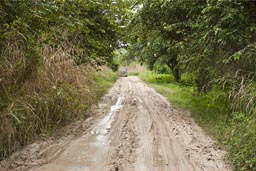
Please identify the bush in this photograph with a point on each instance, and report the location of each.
(103, 81)
(187, 79)
(47, 57)
(134, 73)
(152, 77)
(60, 93)
(241, 141)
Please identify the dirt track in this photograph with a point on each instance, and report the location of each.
(136, 130)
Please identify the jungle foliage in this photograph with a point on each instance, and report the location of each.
(212, 44)
(49, 53)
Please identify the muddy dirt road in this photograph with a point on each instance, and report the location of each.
(137, 130)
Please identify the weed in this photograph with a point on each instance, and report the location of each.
(152, 77)
(61, 92)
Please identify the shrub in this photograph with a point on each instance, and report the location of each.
(60, 93)
(152, 77)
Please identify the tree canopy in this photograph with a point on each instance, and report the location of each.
(211, 39)
(210, 43)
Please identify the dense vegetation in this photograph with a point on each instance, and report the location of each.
(49, 54)
(209, 45)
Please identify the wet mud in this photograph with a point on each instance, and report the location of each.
(133, 129)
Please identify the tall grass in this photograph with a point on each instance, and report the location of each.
(35, 100)
(135, 69)
(152, 77)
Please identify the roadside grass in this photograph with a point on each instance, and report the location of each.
(152, 77)
(206, 109)
(236, 131)
(59, 94)
(104, 80)
(133, 73)
(135, 69)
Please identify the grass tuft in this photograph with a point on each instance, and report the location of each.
(58, 93)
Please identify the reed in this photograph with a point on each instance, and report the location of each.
(54, 93)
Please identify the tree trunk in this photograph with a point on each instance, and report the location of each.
(176, 75)
(172, 64)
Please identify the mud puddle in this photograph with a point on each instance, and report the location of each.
(103, 127)
(83, 154)
(137, 130)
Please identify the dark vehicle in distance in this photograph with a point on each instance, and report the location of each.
(123, 72)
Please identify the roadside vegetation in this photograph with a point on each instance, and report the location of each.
(53, 58)
(235, 131)
(204, 55)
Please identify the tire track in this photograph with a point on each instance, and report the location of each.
(138, 130)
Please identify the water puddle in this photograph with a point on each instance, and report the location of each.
(104, 126)
(88, 151)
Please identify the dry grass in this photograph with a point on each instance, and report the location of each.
(55, 93)
(135, 69)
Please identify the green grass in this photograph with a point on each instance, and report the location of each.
(104, 80)
(152, 77)
(236, 131)
(180, 96)
(134, 73)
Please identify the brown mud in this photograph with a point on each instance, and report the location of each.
(133, 129)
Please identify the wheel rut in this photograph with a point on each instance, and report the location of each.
(136, 129)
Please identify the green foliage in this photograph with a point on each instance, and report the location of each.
(120, 57)
(90, 27)
(47, 49)
(187, 79)
(134, 73)
(152, 77)
(241, 141)
(209, 45)
(205, 38)
(104, 80)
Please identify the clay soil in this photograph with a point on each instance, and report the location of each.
(133, 128)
